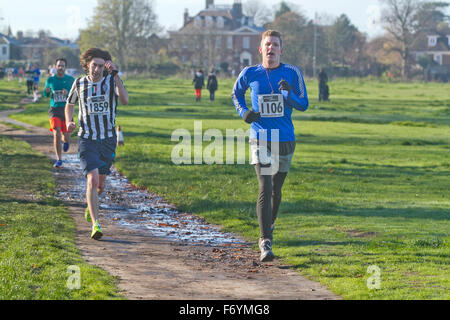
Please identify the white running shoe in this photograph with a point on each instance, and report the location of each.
(265, 246)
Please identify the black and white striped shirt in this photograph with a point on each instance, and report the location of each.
(97, 107)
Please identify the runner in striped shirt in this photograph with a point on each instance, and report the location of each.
(97, 95)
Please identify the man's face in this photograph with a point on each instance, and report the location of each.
(96, 68)
(271, 50)
(60, 68)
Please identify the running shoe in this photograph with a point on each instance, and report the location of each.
(58, 164)
(87, 215)
(97, 232)
(66, 146)
(265, 246)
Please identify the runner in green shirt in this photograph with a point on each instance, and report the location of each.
(57, 87)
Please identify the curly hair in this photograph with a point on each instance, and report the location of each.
(91, 53)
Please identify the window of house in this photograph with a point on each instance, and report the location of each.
(4, 51)
(432, 41)
(230, 42)
(246, 42)
(220, 22)
(209, 21)
(219, 42)
(438, 59)
(198, 21)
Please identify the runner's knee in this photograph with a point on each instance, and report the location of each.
(92, 181)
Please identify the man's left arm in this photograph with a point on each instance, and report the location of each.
(120, 89)
(295, 93)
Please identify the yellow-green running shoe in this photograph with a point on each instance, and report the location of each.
(87, 215)
(97, 232)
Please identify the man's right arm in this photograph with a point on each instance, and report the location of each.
(68, 110)
(238, 96)
(69, 115)
(47, 89)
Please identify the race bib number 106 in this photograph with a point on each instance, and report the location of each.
(98, 105)
(271, 105)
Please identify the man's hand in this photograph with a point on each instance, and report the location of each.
(284, 85)
(71, 126)
(48, 90)
(111, 67)
(251, 116)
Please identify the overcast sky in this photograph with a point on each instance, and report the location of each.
(64, 18)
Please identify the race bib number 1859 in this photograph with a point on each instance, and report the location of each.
(98, 105)
(271, 105)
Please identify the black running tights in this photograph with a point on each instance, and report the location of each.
(269, 199)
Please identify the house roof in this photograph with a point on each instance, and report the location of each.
(216, 13)
(230, 23)
(421, 44)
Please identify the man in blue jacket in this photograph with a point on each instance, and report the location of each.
(276, 89)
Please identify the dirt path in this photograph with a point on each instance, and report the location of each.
(150, 267)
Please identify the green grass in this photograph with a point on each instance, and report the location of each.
(37, 235)
(11, 93)
(368, 184)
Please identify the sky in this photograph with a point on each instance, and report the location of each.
(65, 18)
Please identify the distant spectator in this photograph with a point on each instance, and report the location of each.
(199, 83)
(30, 74)
(36, 78)
(212, 85)
(20, 74)
(324, 90)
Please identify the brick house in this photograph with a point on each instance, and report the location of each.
(219, 36)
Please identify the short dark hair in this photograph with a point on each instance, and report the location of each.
(272, 33)
(61, 59)
(91, 53)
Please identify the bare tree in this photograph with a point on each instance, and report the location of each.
(258, 11)
(400, 21)
(119, 26)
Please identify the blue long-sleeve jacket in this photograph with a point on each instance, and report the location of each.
(265, 81)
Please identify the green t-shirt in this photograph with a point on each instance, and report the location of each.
(56, 84)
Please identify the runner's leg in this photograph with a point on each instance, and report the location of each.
(264, 206)
(92, 182)
(66, 137)
(101, 183)
(57, 142)
(277, 184)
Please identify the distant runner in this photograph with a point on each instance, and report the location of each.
(36, 77)
(199, 83)
(96, 94)
(57, 87)
(276, 89)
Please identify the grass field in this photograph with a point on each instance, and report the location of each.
(11, 93)
(37, 236)
(368, 185)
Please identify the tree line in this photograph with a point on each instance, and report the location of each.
(125, 28)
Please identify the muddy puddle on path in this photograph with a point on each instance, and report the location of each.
(134, 208)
